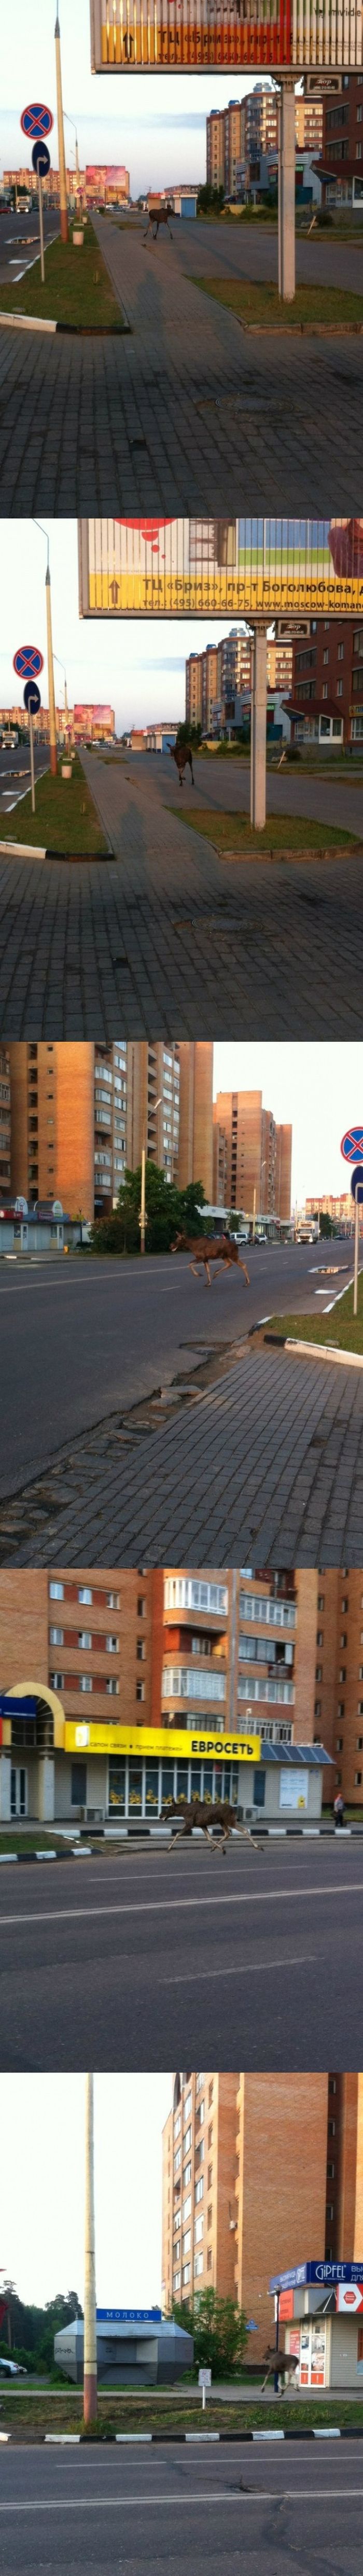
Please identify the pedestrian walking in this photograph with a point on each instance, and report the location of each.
(339, 1808)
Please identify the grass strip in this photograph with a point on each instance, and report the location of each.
(341, 1329)
(12, 1843)
(234, 832)
(313, 307)
(30, 2418)
(64, 819)
(76, 289)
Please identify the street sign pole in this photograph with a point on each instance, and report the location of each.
(356, 1249)
(41, 228)
(31, 740)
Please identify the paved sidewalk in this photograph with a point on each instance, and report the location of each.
(184, 412)
(170, 940)
(266, 1467)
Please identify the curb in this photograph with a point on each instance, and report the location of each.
(302, 330)
(305, 2433)
(74, 858)
(316, 1350)
(68, 330)
(266, 1833)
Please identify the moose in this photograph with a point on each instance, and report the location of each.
(183, 760)
(285, 2363)
(202, 1813)
(158, 215)
(206, 1248)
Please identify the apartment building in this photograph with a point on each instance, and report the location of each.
(80, 1115)
(216, 677)
(327, 672)
(338, 1705)
(253, 1153)
(340, 1209)
(341, 146)
(258, 2172)
(240, 1644)
(90, 1638)
(248, 128)
(5, 1124)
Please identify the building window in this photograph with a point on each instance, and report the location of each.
(199, 2189)
(84, 1638)
(140, 1651)
(357, 1779)
(112, 1690)
(187, 2174)
(56, 1591)
(321, 1600)
(209, 2258)
(112, 1644)
(317, 1708)
(85, 1682)
(78, 1784)
(187, 2141)
(56, 1636)
(140, 1690)
(186, 2274)
(199, 2227)
(186, 2208)
(177, 2160)
(198, 2262)
(141, 1606)
(187, 2242)
(57, 1681)
(320, 1637)
(318, 1672)
(112, 1600)
(84, 1592)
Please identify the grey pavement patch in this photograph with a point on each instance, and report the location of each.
(270, 1459)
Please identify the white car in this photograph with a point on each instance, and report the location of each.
(13, 2369)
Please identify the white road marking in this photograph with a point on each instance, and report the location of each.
(184, 1904)
(119, 2503)
(253, 1968)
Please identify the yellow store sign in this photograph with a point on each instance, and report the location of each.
(161, 1742)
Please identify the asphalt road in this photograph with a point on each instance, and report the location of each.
(15, 776)
(19, 242)
(299, 2510)
(223, 786)
(81, 1338)
(133, 1959)
(250, 251)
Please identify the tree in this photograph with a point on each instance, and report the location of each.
(32, 2329)
(326, 1228)
(169, 1211)
(210, 200)
(219, 2331)
(189, 733)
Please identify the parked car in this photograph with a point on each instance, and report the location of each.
(12, 2369)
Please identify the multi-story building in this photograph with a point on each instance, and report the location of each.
(91, 1637)
(241, 135)
(259, 2171)
(80, 723)
(254, 1153)
(5, 1124)
(341, 149)
(338, 1705)
(81, 1114)
(224, 145)
(340, 1209)
(327, 669)
(97, 184)
(217, 676)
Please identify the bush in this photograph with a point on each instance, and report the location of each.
(293, 752)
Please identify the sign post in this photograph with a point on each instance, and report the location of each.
(351, 1146)
(41, 163)
(36, 122)
(28, 662)
(204, 2382)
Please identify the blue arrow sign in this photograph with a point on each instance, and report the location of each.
(352, 1144)
(28, 662)
(41, 158)
(356, 1183)
(31, 696)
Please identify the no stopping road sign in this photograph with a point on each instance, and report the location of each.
(36, 120)
(28, 662)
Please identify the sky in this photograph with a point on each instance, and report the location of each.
(136, 665)
(319, 1088)
(155, 123)
(42, 2174)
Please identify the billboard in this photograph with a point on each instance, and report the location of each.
(158, 1740)
(111, 176)
(160, 567)
(88, 720)
(195, 35)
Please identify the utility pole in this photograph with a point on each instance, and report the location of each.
(51, 697)
(286, 190)
(258, 726)
(90, 2324)
(61, 149)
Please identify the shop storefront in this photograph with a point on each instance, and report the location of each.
(319, 2315)
(70, 1771)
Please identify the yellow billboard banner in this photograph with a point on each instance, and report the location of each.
(151, 567)
(161, 1742)
(199, 35)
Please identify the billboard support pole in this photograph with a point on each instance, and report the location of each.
(51, 697)
(90, 2322)
(286, 191)
(63, 205)
(258, 726)
(356, 1250)
(31, 741)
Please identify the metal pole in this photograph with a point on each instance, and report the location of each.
(31, 740)
(287, 193)
(276, 2375)
(356, 1249)
(258, 729)
(51, 696)
(61, 150)
(203, 2398)
(254, 1216)
(90, 2324)
(142, 1210)
(41, 227)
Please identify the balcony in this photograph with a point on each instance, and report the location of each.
(193, 1682)
(190, 1593)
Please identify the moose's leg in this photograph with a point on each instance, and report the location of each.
(207, 1273)
(196, 1273)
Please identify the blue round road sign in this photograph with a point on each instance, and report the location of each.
(41, 158)
(36, 120)
(356, 1182)
(28, 662)
(352, 1144)
(31, 697)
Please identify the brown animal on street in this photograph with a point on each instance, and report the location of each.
(183, 759)
(204, 1812)
(284, 2362)
(206, 1248)
(158, 215)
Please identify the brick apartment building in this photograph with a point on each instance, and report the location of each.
(248, 128)
(251, 1155)
(215, 677)
(258, 2172)
(327, 672)
(80, 1114)
(341, 151)
(177, 1649)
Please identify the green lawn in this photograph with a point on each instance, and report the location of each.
(13, 1842)
(31, 2416)
(312, 305)
(341, 1328)
(64, 819)
(232, 834)
(76, 290)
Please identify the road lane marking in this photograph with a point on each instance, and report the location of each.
(183, 1904)
(120, 2503)
(206, 1976)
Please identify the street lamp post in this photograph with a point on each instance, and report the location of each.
(157, 1105)
(69, 120)
(61, 149)
(258, 725)
(286, 190)
(90, 2322)
(57, 658)
(51, 696)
